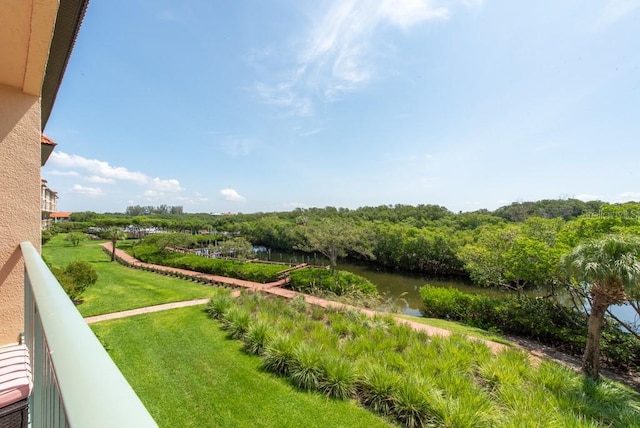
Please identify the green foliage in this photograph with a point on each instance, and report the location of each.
(610, 268)
(257, 272)
(279, 354)
(537, 318)
(120, 288)
(188, 375)
(257, 336)
(306, 368)
(312, 280)
(236, 321)
(235, 247)
(339, 378)
(334, 238)
(47, 235)
(74, 238)
(218, 305)
(76, 277)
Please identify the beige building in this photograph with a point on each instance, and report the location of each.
(36, 39)
(49, 199)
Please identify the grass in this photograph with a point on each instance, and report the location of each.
(120, 288)
(459, 328)
(421, 381)
(189, 375)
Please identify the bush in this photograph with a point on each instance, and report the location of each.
(306, 369)
(339, 378)
(76, 277)
(218, 305)
(339, 282)
(536, 318)
(256, 272)
(46, 236)
(257, 336)
(236, 321)
(278, 354)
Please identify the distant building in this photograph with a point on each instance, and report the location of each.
(49, 200)
(60, 216)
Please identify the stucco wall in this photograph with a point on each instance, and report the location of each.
(19, 201)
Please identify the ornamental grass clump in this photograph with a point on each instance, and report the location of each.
(413, 379)
(377, 388)
(411, 404)
(306, 370)
(278, 355)
(339, 380)
(236, 321)
(218, 305)
(257, 336)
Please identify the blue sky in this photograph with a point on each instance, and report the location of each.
(248, 106)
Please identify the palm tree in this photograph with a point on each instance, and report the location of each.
(610, 269)
(114, 234)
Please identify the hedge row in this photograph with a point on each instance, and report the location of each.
(536, 318)
(312, 280)
(175, 274)
(256, 272)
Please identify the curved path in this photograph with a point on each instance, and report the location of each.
(270, 288)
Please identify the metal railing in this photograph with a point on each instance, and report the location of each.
(76, 384)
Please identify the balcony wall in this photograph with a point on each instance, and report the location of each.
(19, 201)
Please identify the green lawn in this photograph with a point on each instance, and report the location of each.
(189, 375)
(120, 288)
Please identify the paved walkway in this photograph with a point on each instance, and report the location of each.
(270, 288)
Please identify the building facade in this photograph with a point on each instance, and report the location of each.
(36, 39)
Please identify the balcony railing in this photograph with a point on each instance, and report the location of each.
(76, 384)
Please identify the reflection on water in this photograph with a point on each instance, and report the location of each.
(403, 286)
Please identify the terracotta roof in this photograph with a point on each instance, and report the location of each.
(60, 215)
(46, 140)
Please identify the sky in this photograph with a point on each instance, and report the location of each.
(272, 105)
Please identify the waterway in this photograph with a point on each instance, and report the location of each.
(402, 288)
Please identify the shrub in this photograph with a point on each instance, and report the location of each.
(257, 336)
(306, 369)
(339, 282)
(278, 354)
(76, 277)
(377, 389)
(236, 321)
(46, 236)
(339, 378)
(74, 238)
(540, 319)
(218, 304)
(257, 272)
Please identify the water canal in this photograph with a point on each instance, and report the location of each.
(402, 288)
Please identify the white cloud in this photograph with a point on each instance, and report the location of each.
(96, 167)
(165, 185)
(91, 192)
(231, 195)
(406, 13)
(628, 196)
(615, 10)
(102, 172)
(98, 179)
(585, 197)
(338, 55)
(294, 205)
(64, 173)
